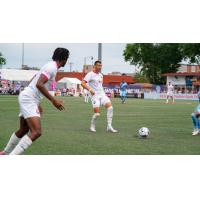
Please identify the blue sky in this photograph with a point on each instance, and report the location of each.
(37, 54)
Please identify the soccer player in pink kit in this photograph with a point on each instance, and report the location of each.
(93, 83)
(29, 102)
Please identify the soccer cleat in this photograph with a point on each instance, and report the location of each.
(2, 153)
(92, 129)
(195, 132)
(111, 129)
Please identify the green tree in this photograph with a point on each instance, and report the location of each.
(191, 52)
(2, 60)
(154, 59)
(140, 78)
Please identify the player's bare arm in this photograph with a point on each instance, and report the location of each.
(41, 87)
(85, 86)
(40, 109)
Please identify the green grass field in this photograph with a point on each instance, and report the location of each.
(68, 132)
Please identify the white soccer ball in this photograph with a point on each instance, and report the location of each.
(143, 132)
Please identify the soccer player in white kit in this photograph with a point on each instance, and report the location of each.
(170, 92)
(29, 102)
(93, 83)
(86, 95)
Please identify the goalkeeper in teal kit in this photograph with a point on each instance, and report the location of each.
(123, 87)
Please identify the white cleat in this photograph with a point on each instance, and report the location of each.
(195, 132)
(92, 129)
(111, 129)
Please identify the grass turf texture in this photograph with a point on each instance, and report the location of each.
(68, 132)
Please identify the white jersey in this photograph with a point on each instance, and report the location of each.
(170, 89)
(49, 71)
(95, 81)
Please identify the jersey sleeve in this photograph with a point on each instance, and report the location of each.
(198, 109)
(49, 72)
(87, 78)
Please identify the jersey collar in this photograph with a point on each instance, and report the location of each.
(95, 72)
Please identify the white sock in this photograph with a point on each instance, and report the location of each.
(22, 145)
(109, 116)
(14, 140)
(94, 118)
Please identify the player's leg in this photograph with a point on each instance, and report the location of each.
(16, 137)
(94, 119)
(109, 107)
(96, 107)
(34, 125)
(196, 124)
(172, 98)
(167, 100)
(124, 97)
(121, 96)
(87, 98)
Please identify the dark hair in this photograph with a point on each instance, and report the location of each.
(60, 54)
(97, 62)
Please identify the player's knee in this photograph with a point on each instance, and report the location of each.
(39, 132)
(36, 133)
(110, 108)
(22, 131)
(96, 115)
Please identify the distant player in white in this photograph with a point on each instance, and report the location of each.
(86, 95)
(170, 92)
(29, 102)
(93, 83)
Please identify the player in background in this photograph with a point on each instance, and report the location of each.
(93, 82)
(29, 102)
(196, 121)
(198, 94)
(170, 92)
(86, 95)
(123, 87)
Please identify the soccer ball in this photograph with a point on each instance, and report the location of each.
(143, 132)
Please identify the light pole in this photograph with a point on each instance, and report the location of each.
(22, 55)
(100, 51)
(70, 66)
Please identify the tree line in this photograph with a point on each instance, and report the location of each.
(155, 59)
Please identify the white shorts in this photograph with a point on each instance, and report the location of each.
(28, 106)
(171, 94)
(98, 100)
